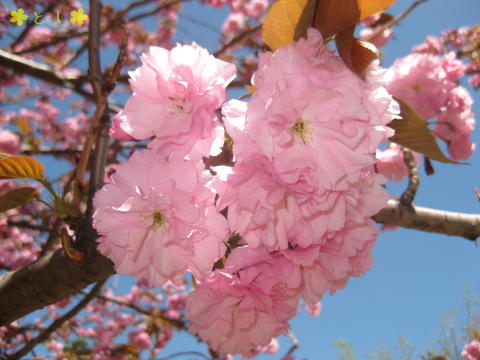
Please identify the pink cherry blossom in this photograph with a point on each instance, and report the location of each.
(472, 351)
(421, 81)
(431, 45)
(391, 164)
(233, 316)
(161, 222)
(233, 24)
(139, 339)
(256, 8)
(9, 142)
(175, 96)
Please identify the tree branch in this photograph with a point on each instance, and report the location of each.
(47, 74)
(54, 276)
(236, 40)
(47, 280)
(430, 220)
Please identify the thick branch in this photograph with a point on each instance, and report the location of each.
(430, 220)
(49, 279)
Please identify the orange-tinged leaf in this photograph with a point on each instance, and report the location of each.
(23, 125)
(371, 7)
(16, 197)
(412, 132)
(16, 167)
(284, 17)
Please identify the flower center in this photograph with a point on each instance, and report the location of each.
(302, 131)
(176, 108)
(159, 220)
(416, 88)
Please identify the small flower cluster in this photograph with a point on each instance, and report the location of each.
(162, 221)
(427, 80)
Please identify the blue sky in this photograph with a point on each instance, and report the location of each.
(416, 277)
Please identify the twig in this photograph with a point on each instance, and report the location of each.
(101, 123)
(94, 67)
(45, 73)
(413, 179)
(68, 35)
(236, 40)
(95, 75)
(45, 150)
(294, 344)
(177, 323)
(45, 334)
(395, 20)
(26, 225)
(155, 10)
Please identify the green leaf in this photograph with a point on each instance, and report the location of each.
(412, 132)
(16, 197)
(20, 167)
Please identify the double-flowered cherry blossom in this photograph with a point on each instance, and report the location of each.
(235, 316)
(307, 136)
(157, 219)
(175, 96)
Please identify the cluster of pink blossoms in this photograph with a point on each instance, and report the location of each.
(162, 221)
(428, 83)
(300, 196)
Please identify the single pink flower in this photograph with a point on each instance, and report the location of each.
(139, 339)
(175, 96)
(161, 222)
(235, 317)
(472, 351)
(422, 82)
(10, 142)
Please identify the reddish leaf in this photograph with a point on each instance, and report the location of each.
(16, 197)
(334, 16)
(363, 53)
